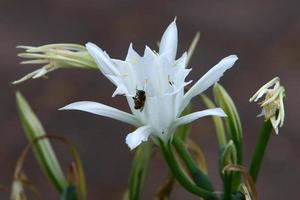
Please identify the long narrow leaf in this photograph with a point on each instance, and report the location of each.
(233, 120)
(221, 135)
(233, 125)
(69, 193)
(42, 149)
(247, 178)
(139, 170)
(227, 156)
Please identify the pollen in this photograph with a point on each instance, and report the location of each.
(133, 61)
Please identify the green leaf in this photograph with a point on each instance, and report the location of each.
(233, 127)
(227, 156)
(76, 175)
(69, 193)
(221, 135)
(232, 120)
(42, 149)
(248, 187)
(18, 190)
(139, 170)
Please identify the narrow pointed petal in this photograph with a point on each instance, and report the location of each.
(102, 110)
(40, 73)
(120, 91)
(196, 115)
(121, 88)
(275, 127)
(138, 136)
(101, 59)
(169, 40)
(211, 77)
(132, 55)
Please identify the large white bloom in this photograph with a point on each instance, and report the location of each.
(162, 77)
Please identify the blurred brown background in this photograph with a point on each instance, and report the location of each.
(264, 34)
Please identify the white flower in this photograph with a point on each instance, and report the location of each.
(53, 57)
(272, 105)
(162, 77)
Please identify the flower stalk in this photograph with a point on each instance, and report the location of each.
(260, 149)
(273, 112)
(180, 176)
(199, 177)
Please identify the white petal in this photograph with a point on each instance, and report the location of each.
(169, 40)
(102, 59)
(160, 112)
(181, 62)
(196, 115)
(149, 53)
(132, 56)
(121, 88)
(103, 110)
(211, 77)
(274, 124)
(40, 73)
(138, 136)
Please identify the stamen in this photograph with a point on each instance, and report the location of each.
(170, 80)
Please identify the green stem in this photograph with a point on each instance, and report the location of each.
(139, 171)
(181, 177)
(260, 148)
(228, 177)
(198, 176)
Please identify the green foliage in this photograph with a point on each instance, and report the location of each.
(198, 176)
(69, 193)
(42, 149)
(233, 128)
(46, 157)
(233, 122)
(221, 135)
(139, 170)
(227, 156)
(181, 176)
